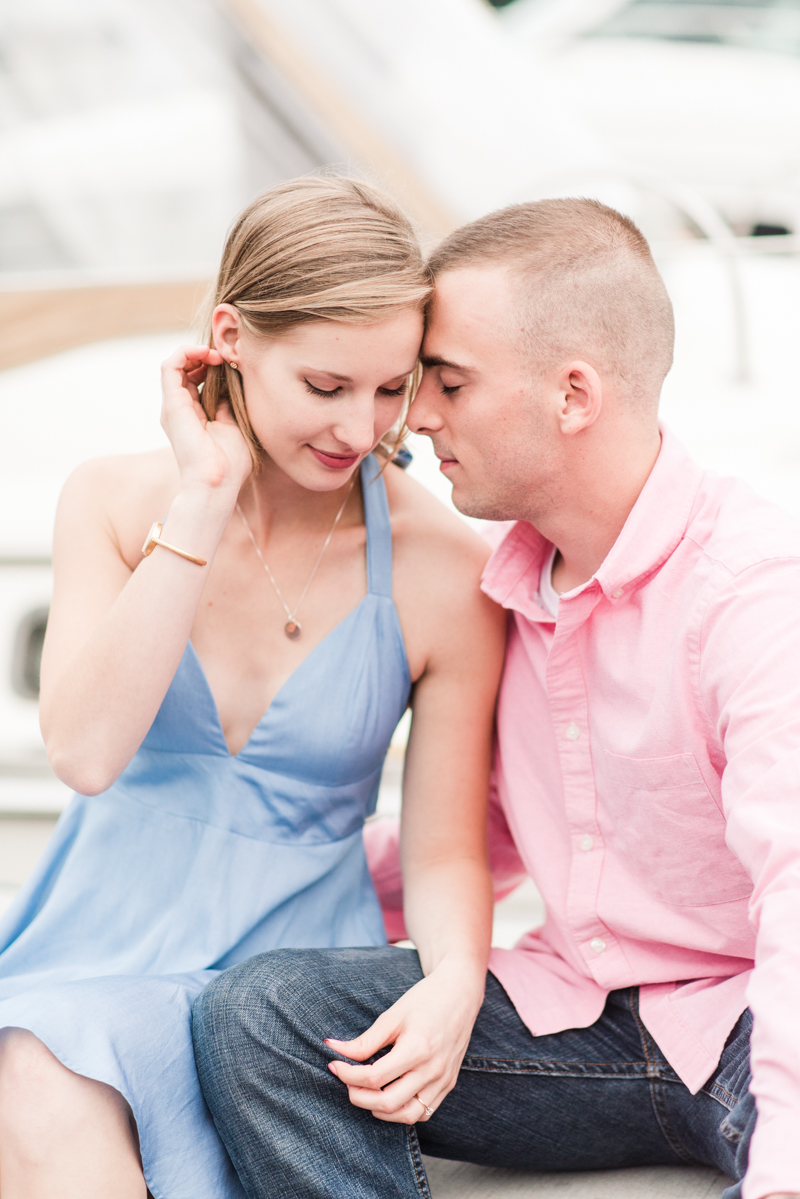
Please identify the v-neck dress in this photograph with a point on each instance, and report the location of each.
(195, 859)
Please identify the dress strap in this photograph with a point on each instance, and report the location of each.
(379, 528)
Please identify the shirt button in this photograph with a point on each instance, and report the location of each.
(572, 732)
(616, 594)
(586, 843)
(597, 944)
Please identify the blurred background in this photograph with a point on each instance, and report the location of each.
(132, 131)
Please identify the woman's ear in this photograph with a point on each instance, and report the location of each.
(581, 397)
(226, 329)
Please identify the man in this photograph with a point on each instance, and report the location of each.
(647, 770)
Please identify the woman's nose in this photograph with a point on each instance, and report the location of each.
(357, 430)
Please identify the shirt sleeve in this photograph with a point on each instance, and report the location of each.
(749, 679)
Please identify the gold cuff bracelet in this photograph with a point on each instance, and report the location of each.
(154, 539)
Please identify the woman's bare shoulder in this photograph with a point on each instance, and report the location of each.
(124, 493)
(152, 467)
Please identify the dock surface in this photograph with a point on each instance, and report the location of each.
(459, 1180)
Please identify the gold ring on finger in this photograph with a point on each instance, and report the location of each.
(428, 1110)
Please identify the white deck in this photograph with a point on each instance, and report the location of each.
(457, 1180)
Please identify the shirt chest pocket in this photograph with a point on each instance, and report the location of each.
(667, 829)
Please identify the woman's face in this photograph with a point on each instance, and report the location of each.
(322, 396)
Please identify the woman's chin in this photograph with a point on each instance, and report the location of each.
(308, 470)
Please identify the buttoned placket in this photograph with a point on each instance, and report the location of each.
(569, 708)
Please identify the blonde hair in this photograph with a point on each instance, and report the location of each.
(588, 286)
(313, 249)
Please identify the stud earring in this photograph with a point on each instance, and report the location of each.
(235, 365)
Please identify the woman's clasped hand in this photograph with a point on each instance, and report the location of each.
(428, 1030)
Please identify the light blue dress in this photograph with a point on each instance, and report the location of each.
(196, 859)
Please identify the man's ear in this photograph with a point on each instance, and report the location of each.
(581, 397)
(226, 326)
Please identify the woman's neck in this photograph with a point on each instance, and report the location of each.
(271, 500)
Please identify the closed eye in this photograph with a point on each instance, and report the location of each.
(317, 391)
(448, 391)
(393, 391)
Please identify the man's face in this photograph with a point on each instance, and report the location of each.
(481, 402)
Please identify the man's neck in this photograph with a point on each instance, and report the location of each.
(586, 526)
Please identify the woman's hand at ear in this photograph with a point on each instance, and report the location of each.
(119, 624)
(211, 454)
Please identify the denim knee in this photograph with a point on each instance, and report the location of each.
(252, 993)
(301, 995)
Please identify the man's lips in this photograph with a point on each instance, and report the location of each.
(334, 461)
(445, 462)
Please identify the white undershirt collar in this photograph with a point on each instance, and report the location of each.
(547, 593)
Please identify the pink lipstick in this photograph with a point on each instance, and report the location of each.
(334, 461)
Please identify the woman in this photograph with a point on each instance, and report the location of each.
(222, 707)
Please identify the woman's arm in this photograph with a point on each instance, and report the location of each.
(448, 890)
(117, 629)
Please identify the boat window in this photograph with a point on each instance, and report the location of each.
(750, 24)
(27, 658)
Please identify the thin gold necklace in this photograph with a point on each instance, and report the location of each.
(293, 628)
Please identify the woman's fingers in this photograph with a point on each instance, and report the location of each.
(411, 1112)
(190, 357)
(377, 1036)
(187, 367)
(389, 1087)
(404, 1056)
(414, 1112)
(405, 1102)
(392, 1098)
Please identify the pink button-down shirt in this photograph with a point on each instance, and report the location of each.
(648, 769)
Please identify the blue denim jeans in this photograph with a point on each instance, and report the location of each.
(584, 1099)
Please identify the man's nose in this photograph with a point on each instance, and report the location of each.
(424, 415)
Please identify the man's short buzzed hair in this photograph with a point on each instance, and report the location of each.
(589, 287)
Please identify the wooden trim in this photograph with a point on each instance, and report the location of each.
(35, 324)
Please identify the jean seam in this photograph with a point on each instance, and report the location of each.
(415, 1153)
(657, 1088)
(547, 1068)
(549, 1061)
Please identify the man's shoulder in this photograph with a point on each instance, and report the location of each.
(739, 529)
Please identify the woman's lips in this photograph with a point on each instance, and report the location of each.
(334, 461)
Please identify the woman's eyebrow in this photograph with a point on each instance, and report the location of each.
(321, 370)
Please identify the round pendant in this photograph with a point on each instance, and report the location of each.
(292, 630)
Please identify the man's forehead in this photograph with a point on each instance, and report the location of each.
(474, 286)
(469, 313)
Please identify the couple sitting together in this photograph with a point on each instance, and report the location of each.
(196, 994)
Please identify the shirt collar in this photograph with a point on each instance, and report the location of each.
(655, 526)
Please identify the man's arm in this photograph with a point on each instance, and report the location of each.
(749, 677)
